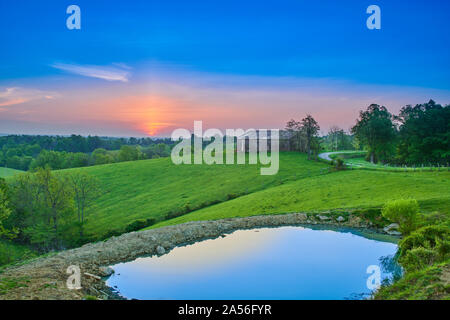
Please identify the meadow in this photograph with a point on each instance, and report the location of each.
(158, 189)
(170, 194)
(7, 172)
(350, 189)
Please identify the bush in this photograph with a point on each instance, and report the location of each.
(424, 247)
(339, 163)
(417, 259)
(112, 233)
(404, 212)
(231, 196)
(139, 224)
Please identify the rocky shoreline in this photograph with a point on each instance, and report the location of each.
(45, 278)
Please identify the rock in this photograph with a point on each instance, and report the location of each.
(323, 218)
(391, 227)
(340, 219)
(105, 271)
(160, 250)
(302, 216)
(394, 233)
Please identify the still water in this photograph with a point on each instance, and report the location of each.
(267, 263)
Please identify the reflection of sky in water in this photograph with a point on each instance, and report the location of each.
(282, 263)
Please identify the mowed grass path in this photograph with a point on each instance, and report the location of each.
(7, 172)
(344, 189)
(153, 188)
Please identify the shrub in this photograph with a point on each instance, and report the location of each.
(174, 214)
(418, 258)
(231, 196)
(339, 163)
(112, 233)
(404, 212)
(424, 247)
(139, 224)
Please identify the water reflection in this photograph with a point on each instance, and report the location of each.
(268, 263)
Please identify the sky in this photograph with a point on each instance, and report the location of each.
(145, 68)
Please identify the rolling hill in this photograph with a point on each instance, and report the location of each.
(155, 188)
(7, 172)
(338, 190)
(161, 190)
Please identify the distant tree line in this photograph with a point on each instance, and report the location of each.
(24, 152)
(418, 135)
(337, 139)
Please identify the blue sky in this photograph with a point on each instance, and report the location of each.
(267, 39)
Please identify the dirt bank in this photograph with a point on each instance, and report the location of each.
(45, 278)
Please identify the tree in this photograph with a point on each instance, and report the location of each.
(293, 129)
(101, 156)
(310, 128)
(128, 153)
(5, 211)
(376, 131)
(424, 133)
(56, 199)
(85, 189)
(52, 159)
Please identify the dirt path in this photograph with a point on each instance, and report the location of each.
(326, 155)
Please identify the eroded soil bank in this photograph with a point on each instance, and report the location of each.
(45, 278)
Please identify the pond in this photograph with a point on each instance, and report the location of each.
(267, 263)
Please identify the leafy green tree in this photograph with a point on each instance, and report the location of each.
(5, 212)
(101, 156)
(55, 203)
(377, 132)
(424, 134)
(129, 153)
(310, 129)
(53, 159)
(337, 139)
(293, 129)
(85, 189)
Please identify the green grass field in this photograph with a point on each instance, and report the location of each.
(338, 190)
(359, 161)
(155, 188)
(7, 172)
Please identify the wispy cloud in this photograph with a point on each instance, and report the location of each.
(17, 95)
(100, 72)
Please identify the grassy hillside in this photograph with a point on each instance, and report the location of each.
(7, 172)
(158, 189)
(344, 189)
(155, 188)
